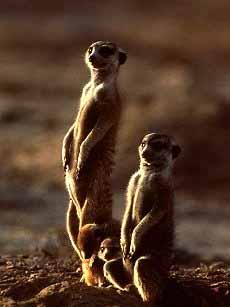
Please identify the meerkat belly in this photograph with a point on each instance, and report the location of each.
(157, 244)
(158, 240)
(159, 237)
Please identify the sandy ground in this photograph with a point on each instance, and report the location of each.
(176, 77)
(39, 280)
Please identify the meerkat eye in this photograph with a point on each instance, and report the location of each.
(143, 144)
(106, 51)
(90, 50)
(102, 249)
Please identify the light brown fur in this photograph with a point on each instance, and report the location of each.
(88, 147)
(147, 227)
(91, 235)
(98, 244)
(92, 271)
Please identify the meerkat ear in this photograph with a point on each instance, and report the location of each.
(176, 150)
(122, 56)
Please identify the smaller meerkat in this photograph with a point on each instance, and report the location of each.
(98, 244)
(91, 235)
(147, 230)
(92, 268)
(89, 145)
(109, 249)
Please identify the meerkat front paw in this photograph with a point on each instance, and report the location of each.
(66, 165)
(131, 289)
(131, 255)
(83, 155)
(132, 251)
(124, 249)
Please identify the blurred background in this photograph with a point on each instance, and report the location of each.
(176, 80)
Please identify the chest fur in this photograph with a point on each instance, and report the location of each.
(151, 193)
(94, 103)
(144, 198)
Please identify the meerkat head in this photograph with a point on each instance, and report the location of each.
(104, 55)
(89, 239)
(158, 150)
(109, 249)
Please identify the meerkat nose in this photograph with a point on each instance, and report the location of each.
(91, 58)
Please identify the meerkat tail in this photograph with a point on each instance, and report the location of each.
(72, 225)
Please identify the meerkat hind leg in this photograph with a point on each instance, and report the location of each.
(115, 273)
(147, 279)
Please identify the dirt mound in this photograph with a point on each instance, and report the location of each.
(38, 280)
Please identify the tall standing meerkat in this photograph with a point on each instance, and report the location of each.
(147, 229)
(88, 147)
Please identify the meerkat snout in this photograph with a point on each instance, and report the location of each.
(101, 55)
(158, 148)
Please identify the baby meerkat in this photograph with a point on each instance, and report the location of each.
(96, 249)
(91, 236)
(92, 268)
(109, 249)
(88, 147)
(147, 229)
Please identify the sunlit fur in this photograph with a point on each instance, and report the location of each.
(98, 244)
(147, 230)
(89, 145)
(91, 236)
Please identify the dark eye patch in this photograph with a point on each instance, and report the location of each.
(158, 146)
(106, 51)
